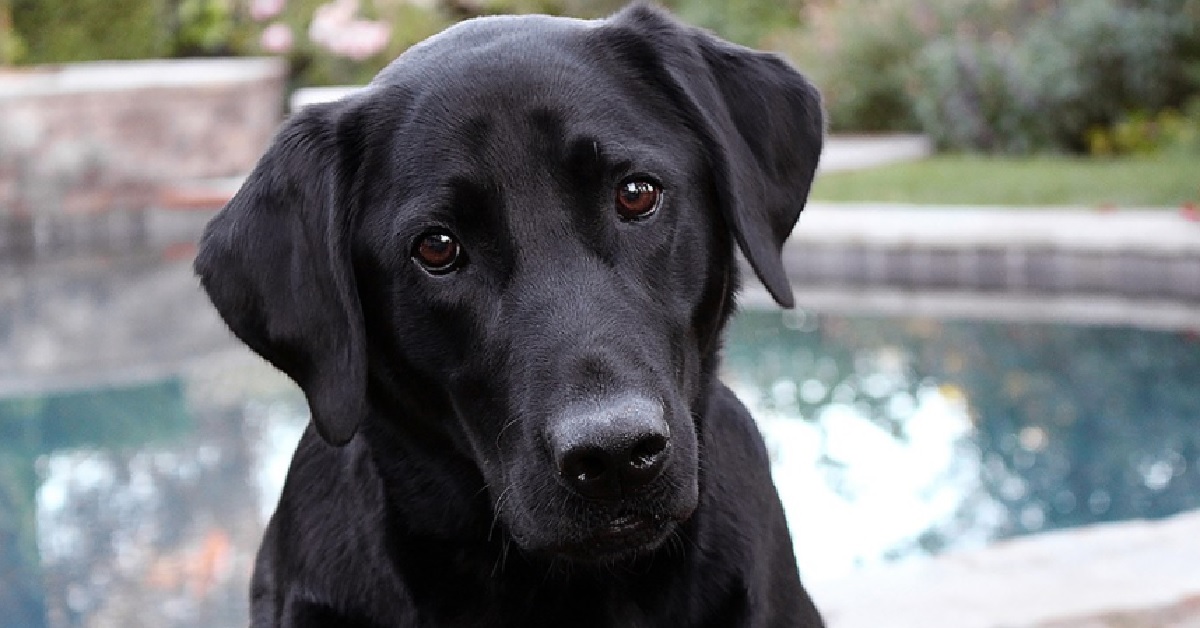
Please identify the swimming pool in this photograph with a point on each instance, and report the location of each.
(141, 449)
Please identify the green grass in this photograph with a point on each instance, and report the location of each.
(1159, 181)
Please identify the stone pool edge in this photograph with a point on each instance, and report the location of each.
(1130, 253)
(1133, 574)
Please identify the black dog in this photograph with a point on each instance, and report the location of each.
(500, 274)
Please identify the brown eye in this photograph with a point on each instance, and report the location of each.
(638, 198)
(437, 252)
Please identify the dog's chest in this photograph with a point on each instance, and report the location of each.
(545, 608)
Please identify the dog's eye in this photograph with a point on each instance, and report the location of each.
(638, 197)
(437, 252)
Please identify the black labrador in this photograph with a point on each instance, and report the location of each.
(500, 275)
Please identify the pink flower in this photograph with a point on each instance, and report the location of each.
(276, 38)
(335, 28)
(360, 39)
(262, 10)
(329, 18)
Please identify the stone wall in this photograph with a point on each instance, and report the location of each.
(86, 149)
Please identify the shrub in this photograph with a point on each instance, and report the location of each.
(865, 54)
(1010, 76)
(859, 53)
(748, 22)
(59, 31)
(973, 94)
(11, 46)
(1094, 60)
(1053, 76)
(1143, 133)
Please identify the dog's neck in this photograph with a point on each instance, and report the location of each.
(427, 495)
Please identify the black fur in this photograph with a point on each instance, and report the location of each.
(433, 490)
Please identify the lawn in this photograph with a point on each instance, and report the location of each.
(1159, 181)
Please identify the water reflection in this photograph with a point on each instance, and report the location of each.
(930, 435)
(137, 496)
(150, 514)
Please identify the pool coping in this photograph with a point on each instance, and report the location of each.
(1133, 573)
(1140, 254)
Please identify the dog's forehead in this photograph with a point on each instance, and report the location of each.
(512, 80)
(498, 38)
(511, 100)
(517, 70)
(510, 120)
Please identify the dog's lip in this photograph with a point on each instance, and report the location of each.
(628, 525)
(624, 536)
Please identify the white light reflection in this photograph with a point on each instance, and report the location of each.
(856, 495)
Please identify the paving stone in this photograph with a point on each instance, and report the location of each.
(1103, 575)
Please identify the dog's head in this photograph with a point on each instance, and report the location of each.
(520, 237)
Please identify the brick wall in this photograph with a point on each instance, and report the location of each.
(86, 149)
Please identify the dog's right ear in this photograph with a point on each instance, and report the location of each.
(760, 121)
(276, 264)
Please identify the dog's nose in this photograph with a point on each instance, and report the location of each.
(611, 449)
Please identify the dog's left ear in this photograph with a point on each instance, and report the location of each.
(761, 120)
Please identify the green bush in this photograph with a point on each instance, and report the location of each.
(1141, 133)
(203, 27)
(60, 31)
(748, 22)
(859, 52)
(974, 94)
(11, 45)
(865, 54)
(1008, 76)
(1094, 60)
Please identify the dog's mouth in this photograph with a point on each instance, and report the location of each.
(625, 536)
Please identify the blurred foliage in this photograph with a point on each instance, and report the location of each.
(203, 26)
(859, 53)
(755, 23)
(1095, 60)
(996, 76)
(1006, 76)
(59, 31)
(975, 94)
(11, 45)
(1142, 133)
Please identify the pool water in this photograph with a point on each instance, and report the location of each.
(140, 501)
(896, 438)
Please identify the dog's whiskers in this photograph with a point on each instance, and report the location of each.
(499, 435)
(496, 512)
(502, 559)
